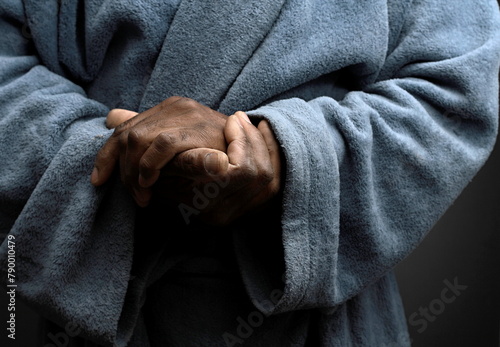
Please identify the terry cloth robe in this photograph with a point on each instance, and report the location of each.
(384, 111)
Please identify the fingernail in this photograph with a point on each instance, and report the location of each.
(211, 163)
(94, 176)
(244, 116)
(237, 119)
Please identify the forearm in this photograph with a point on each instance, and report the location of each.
(383, 164)
(69, 239)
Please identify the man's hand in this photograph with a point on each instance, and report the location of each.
(145, 143)
(235, 183)
(219, 188)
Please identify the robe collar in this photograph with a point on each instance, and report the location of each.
(207, 46)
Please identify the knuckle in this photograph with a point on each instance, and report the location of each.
(184, 99)
(164, 140)
(133, 138)
(123, 140)
(274, 187)
(249, 173)
(120, 129)
(169, 101)
(243, 144)
(188, 103)
(266, 175)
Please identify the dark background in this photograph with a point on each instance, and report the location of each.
(464, 244)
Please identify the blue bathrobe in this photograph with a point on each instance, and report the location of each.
(384, 111)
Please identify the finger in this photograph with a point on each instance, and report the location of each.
(158, 154)
(105, 162)
(274, 152)
(129, 168)
(107, 157)
(197, 164)
(236, 138)
(117, 116)
(127, 173)
(162, 150)
(247, 147)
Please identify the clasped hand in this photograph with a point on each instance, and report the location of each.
(179, 146)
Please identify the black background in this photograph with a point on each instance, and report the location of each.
(465, 244)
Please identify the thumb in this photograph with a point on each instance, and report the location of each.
(198, 163)
(117, 116)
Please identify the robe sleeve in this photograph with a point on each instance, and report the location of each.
(367, 176)
(70, 243)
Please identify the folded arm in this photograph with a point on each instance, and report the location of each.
(73, 242)
(369, 175)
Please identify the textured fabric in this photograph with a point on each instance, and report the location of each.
(384, 110)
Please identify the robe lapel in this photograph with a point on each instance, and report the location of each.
(207, 46)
